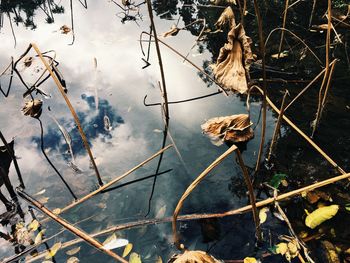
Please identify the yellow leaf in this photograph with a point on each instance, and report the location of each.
(110, 239)
(159, 260)
(40, 192)
(135, 258)
(281, 248)
(263, 215)
(33, 226)
(320, 215)
(39, 237)
(127, 250)
(53, 250)
(43, 200)
(73, 251)
(73, 260)
(250, 260)
(293, 249)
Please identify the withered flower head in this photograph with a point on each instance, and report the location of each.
(235, 128)
(33, 108)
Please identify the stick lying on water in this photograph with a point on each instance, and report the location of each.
(93, 242)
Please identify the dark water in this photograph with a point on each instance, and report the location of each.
(121, 84)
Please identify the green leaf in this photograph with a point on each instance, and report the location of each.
(277, 179)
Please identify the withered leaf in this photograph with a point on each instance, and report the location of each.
(234, 128)
(65, 29)
(233, 63)
(33, 108)
(193, 256)
(226, 17)
(73, 251)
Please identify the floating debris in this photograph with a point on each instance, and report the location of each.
(235, 128)
(107, 123)
(33, 108)
(193, 256)
(65, 29)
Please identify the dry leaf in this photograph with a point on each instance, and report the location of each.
(263, 214)
(53, 250)
(56, 211)
(127, 250)
(174, 30)
(33, 108)
(135, 258)
(40, 192)
(159, 260)
(193, 256)
(28, 61)
(235, 128)
(113, 242)
(281, 248)
(39, 237)
(33, 226)
(43, 200)
(320, 215)
(22, 235)
(65, 29)
(330, 252)
(161, 212)
(233, 63)
(250, 260)
(226, 17)
(73, 260)
(73, 251)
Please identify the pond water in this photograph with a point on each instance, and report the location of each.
(105, 62)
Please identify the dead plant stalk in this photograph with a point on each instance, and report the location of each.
(196, 182)
(262, 53)
(75, 116)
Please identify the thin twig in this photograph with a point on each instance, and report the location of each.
(262, 54)
(283, 26)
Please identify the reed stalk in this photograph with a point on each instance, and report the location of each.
(283, 26)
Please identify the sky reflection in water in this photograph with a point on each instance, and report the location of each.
(121, 85)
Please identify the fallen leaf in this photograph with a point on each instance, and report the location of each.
(234, 128)
(250, 260)
(65, 29)
(159, 260)
(113, 242)
(73, 251)
(135, 258)
(161, 212)
(33, 226)
(43, 200)
(127, 250)
(56, 211)
(194, 256)
(320, 215)
(281, 248)
(39, 237)
(263, 214)
(33, 108)
(53, 250)
(73, 260)
(40, 192)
